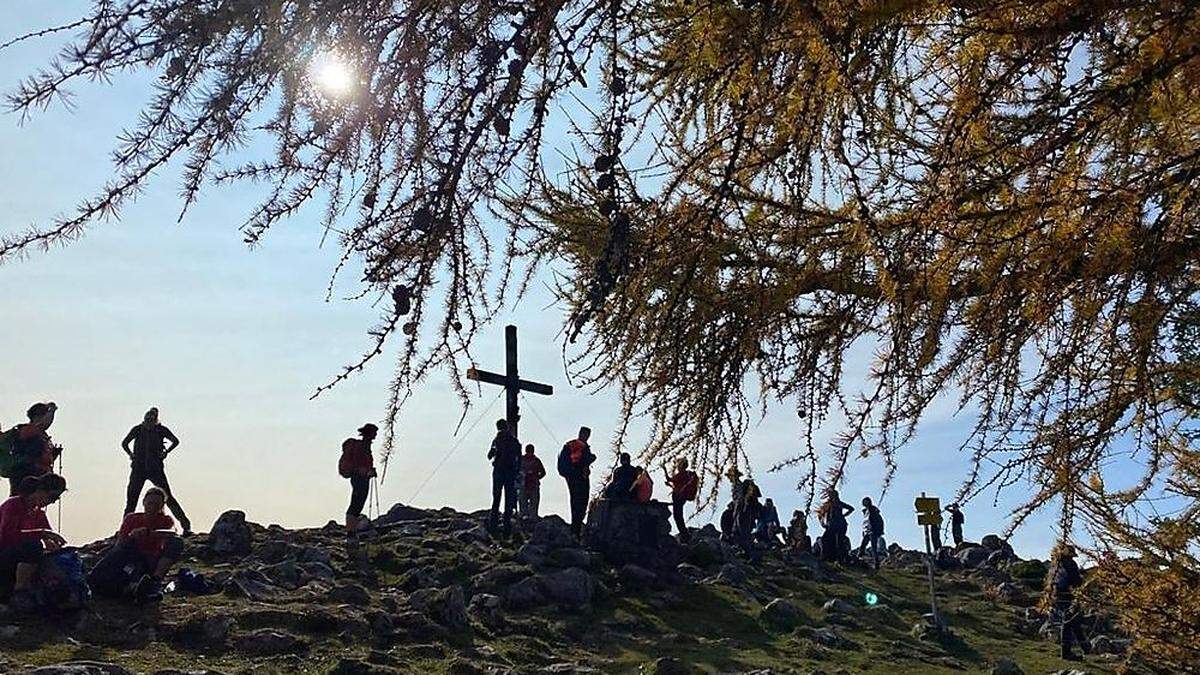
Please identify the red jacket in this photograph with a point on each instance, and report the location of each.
(150, 544)
(17, 518)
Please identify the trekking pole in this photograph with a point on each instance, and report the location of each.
(60, 472)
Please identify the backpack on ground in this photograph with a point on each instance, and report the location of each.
(10, 459)
(63, 584)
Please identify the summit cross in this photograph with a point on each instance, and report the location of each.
(510, 380)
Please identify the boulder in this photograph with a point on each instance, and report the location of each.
(993, 542)
(781, 615)
(631, 532)
(569, 557)
(637, 575)
(231, 535)
(705, 552)
(1006, 592)
(973, 556)
(485, 607)
(446, 606)
(837, 606)
(689, 571)
(399, 513)
(1104, 644)
(732, 574)
(1006, 666)
(351, 594)
(552, 532)
(251, 584)
(269, 642)
(571, 587)
(525, 593)
(1029, 570)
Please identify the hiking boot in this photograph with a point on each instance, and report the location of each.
(23, 602)
(148, 590)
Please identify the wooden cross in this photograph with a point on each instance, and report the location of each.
(510, 380)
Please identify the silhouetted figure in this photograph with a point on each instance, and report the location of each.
(574, 465)
(144, 552)
(33, 451)
(685, 486)
(872, 531)
(358, 465)
(768, 526)
(956, 524)
(505, 453)
(620, 484)
(1065, 578)
(749, 509)
(532, 473)
(25, 537)
(798, 538)
(146, 463)
(832, 516)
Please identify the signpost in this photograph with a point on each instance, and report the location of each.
(929, 515)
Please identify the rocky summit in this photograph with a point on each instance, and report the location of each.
(431, 591)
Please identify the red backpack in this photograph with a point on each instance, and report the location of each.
(349, 460)
(689, 488)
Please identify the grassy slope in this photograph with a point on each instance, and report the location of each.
(713, 627)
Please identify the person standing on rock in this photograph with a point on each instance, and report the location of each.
(25, 537)
(532, 473)
(956, 524)
(145, 550)
(574, 464)
(685, 486)
(505, 453)
(832, 516)
(146, 463)
(358, 465)
(1065, 577)
(872, 531)
(32, 450)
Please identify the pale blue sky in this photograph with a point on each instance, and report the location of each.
(229, 343)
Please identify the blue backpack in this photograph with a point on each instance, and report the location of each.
(63, 583)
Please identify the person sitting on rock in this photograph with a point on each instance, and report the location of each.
(532, 473)
(25, 537)
(643, 486)
(766, 529)
(144, 552)
(956, 524)
(832, 516)
(798, 538)
(872, 531)
(620, 485)
(358, 465)
(685, 485)
(32, 449)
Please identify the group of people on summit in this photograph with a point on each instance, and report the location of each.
(36, 568)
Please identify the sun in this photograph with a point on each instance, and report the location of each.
(331, 74)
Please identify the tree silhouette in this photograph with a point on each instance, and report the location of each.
(996, 197)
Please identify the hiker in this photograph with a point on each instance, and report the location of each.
(532, 473)
(643, 486)
(505, 453)
(145, 550)
(574, 465)
(832, 516)
(747, 513)
(872, 531)
(32, 453)
(956, 524)
(25, 537)
(685, 485)
(1064, 579)
(150, 449)
(767, 528)
(358, 465)
(798, 537)
(620, 484)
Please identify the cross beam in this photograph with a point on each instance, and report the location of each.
(510, 380)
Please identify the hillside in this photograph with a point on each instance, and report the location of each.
(430, 592)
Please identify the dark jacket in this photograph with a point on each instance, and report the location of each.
(575, 460)
(505, 454)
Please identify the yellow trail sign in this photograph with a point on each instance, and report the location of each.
(933, 519)
(928, 505)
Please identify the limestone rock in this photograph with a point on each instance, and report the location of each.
(666, 666)
(351, 594)
(231, 535)
(1006, 666)
(82, 668)
(447, 606)
(781, 615)
(571, 587)
(631, 532)
(973, 556)
(269, 642)
(837, 606)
